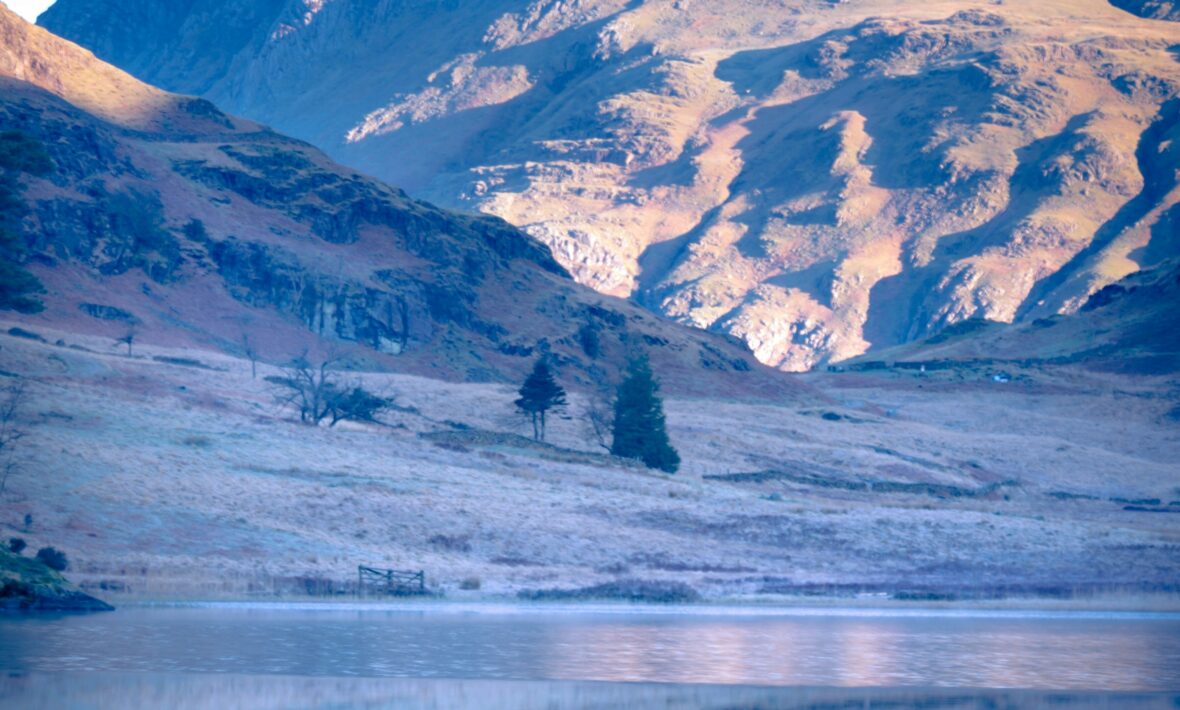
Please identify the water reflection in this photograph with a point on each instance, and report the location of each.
(990, 653)
(1132, 654)
(106, 691)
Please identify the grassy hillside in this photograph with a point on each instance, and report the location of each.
(183, 478)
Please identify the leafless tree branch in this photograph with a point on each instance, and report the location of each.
(11, 431)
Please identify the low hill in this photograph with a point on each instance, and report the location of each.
(1131, 327)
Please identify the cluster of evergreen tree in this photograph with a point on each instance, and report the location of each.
(638, 430)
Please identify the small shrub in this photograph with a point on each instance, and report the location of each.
(195, 230)
(17, 545)
(511, 561)
(590, 341)
(22, 152)
(451, 543)
(631, 590)
(26, 334)
(53, 558)
(181, 361)
(15, 589)
(102, 311)
(357, 405)
(470, 584)
(614, 568)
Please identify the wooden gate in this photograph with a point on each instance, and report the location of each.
(389, 581)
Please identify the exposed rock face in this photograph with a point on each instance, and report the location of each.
(165, 216)
(817, 178)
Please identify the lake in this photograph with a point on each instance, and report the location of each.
(452, 655)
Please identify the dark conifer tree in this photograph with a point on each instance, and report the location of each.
(639, 427)
(540, 393)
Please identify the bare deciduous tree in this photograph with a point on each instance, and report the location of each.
(600, 418)
(305, 387)
(11, 432)
(127, 340)
(251, 353)
(317, 393)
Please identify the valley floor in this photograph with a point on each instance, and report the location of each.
(182, 479)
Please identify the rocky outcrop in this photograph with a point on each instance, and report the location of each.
(816, 178)
(213, 231)
(27, 585)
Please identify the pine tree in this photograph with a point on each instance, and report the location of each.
(639, 428)
(540, 393)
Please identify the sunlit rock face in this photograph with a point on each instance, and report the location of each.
(816, 178)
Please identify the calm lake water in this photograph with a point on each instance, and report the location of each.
(489, 656)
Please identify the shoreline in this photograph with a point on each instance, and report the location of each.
(1163, 606)
(42, 689)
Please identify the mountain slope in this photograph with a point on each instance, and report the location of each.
(165, 218)
(1131, 326)
(817, 178)
(1155, 9)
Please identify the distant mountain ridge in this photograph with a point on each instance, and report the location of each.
(166, 218)
(817, 178)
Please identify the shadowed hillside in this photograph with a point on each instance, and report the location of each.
(1131, 327)
(1154, 9)
(164, 219)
